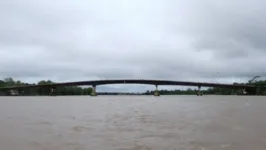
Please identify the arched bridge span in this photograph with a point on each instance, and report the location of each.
(94, 83)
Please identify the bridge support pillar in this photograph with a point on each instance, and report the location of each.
(93, 92)
(199, 93)
(52, 91)
(156, 92)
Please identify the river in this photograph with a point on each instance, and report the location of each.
(133, 123)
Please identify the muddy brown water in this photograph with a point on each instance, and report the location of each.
(133, 123)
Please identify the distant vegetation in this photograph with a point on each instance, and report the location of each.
(70, 90)
(75, 90)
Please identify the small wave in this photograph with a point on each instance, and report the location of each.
(39, 123)
(138, 147)
(79, 128)
(74, 145)
(226, 145)
(45, 123)
(35, 144)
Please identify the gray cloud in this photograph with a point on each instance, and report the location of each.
(163, 39)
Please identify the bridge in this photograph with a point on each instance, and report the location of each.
(246, 88)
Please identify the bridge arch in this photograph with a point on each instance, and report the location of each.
(156, 83)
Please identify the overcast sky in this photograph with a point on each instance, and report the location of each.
(73, 40)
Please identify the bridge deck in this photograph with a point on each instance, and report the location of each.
(134, 81)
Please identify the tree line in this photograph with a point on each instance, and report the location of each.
(76, 90)
(61, 90)
(260, 90)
